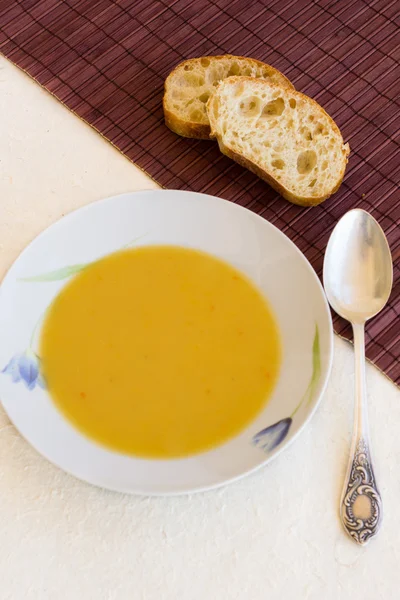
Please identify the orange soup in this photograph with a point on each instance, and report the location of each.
(160, 351)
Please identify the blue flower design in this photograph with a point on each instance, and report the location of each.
(269, 438)
(25, 367)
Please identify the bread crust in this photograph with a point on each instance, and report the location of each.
(185, 128)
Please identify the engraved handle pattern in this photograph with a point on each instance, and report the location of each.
(361, 507)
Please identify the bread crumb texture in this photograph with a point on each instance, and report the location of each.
(189, 86)
(282, 135)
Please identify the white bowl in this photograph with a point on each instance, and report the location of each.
(188, 219)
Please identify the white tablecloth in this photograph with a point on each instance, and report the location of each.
(274, 535)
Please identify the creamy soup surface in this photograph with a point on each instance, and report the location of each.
(160, 351)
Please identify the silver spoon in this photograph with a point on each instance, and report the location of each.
(358, 277)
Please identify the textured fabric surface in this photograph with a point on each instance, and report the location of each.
(107, 61)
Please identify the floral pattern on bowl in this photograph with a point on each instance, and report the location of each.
(25, 367)
(269, 438)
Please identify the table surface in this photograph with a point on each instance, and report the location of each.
(274, 534)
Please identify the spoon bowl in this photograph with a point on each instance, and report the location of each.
(358, 273)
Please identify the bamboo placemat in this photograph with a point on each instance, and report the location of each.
(107, 62)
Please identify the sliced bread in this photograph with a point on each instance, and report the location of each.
(283, 136)
(188, 87)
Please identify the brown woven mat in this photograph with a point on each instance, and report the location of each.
(107, 61)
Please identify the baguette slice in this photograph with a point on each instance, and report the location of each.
(281, 135)
(188, 87)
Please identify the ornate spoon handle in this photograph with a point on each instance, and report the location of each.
(361, 504)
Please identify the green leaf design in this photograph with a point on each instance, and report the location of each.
(65, 272)
(57, 275)
(316, 351)
(132, 243)
(315, 375)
